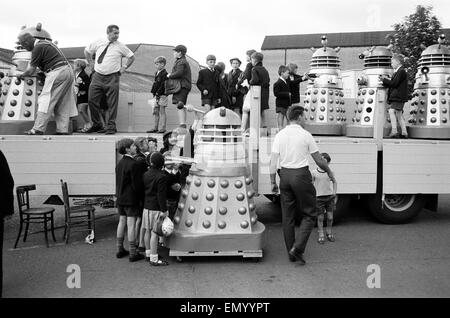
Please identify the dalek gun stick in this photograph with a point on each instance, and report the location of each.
(195, 109)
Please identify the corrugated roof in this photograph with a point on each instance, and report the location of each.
(350, 39)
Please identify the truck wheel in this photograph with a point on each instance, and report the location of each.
(397, 208)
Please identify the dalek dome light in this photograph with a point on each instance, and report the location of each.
(221, 117)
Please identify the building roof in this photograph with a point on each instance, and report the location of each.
(350, 39)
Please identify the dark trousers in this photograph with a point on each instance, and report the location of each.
(297, 194)
(108, 86)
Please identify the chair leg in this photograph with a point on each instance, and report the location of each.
(18, 235)
(93, 222)
(68, 232)
(45, 230)
(53, 227)
(65, 231)
(26, 228)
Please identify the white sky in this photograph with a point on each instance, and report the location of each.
(226, 28)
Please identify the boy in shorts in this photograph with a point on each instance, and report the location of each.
(158, 91)
(326, 200)
(129, 190)
(282, 93)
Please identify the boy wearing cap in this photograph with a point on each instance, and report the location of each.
(158, 91)
(182, 71)
(208, 83)
(235, 90)
(155, 204)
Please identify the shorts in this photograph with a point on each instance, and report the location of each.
(396, 105)
(282, 110)
(129, 211)
(181, 96)
(209, 101)
(161, 101)
(325, 204)
(149, 219)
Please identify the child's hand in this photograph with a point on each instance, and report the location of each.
(176, 187)
(335, 199)
(205, 92)
(233, 100)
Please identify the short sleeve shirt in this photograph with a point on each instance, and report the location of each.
(294, 144)
(45, 56)
(112, 61)
(322, 183)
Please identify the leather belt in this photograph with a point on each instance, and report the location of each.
(57, 65)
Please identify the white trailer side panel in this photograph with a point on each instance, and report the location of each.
(353, 160)
(416, 166)
(86, 164)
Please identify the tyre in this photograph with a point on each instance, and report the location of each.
(396, 208)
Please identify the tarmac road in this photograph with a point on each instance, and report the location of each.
(414, 261)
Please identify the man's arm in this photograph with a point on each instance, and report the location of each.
(322, 163)
(30, 71)
(130, 61)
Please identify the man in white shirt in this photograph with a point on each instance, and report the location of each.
(291, 147)
(105, 80)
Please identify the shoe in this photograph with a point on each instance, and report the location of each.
(136, 257)
(33, 132)
(62, 133)
(93, 129)
(330, 237)
(122, 253)
(297, 256)
(141, 249)
(101, 131)
(161, 131)
(404, 136)
(160, 262)
(321, 240)
(110, 132)
(152, 131)
(394, 136)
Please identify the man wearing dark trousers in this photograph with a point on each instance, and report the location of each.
(6, 204)
(105, 81)
(291, 147)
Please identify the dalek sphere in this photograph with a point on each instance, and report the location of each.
(324, 101)
(431, 97)
(216, 213)
(371, 94)
(18, 100)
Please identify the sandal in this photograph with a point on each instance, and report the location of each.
(321, 240)
(330, 237)
(160, 262)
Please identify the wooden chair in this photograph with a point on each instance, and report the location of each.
(32, 215)
(76, 216)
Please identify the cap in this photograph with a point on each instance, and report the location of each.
(180, 48)
(210, 57)
(235, 59)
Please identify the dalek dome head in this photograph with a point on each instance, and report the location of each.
(325, 57)
(377, 57)
(221, 117)
(38, 32)
(436, 55)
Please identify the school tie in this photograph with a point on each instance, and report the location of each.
(100, 58)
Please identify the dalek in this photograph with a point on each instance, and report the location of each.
(18, 100)
(372, 95)
(431, 98)
(216, 214)
(324, 101)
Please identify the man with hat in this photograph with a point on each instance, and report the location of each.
(235, 90)
(105, 80)
(181, 71)
(57, 95)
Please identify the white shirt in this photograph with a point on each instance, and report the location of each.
(322, 183)
(112, 60)
(283, 79)
(293, 144)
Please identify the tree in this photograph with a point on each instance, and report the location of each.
(417, 31)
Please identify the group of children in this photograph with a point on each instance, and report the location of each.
(148, 188)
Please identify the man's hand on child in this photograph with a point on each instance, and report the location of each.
(205, 92)
(176, 187)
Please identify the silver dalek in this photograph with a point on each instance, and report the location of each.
(372, 95)
(18, 99)
(431, 98)
(216, 214)
(324, 101)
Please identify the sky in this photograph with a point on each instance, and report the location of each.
(225, 28)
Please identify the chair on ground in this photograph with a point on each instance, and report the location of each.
(30, 215)
(76, 217)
